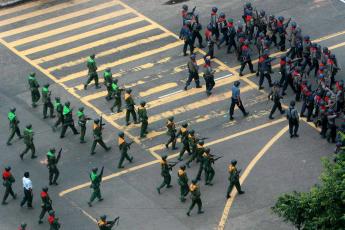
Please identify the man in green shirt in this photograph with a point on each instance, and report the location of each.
(234, 179)
(108, 80)
(35, 93)
(209, 171)
(82, 120)
(59, 111)
(97, 136)
(92, 75)
(29, 142)
(96, 180)
(183, 182)
(67, 120)
(47, 103)
(53, 160)
(130, 107)
(14, 129)
(196, 197)
(116, 93)
(124, 147)
(165, 168)
(143, 118)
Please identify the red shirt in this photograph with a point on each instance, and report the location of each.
(6, 175)
(51, 219)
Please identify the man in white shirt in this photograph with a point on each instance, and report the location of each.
(27, 185)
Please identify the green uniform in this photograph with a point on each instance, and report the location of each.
(197, 154)
(130, 108)
(183, 132)
(105, 225)
(143, 118)
(82, 119)
(97, 138)
(96, 180)
(29, 142)
(209, 171)
(8, 180)
(172, 134)
(234, 179)
(165, 173)
(116, 93)
(67, 122)
(108, 84)
(47, 103)
(123, 147)
(14, 129)
(92, 74)
(52, 166)
(35, 93)
(195, 196)
(183, 182)
(59, 111)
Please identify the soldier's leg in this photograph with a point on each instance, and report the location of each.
(261, 80)
(191, 207)
(89, 79)
(291, 125)
(198, 35)
(127, 116)
(238, 187)
(99, 194)
(63, 131)
(273, 110)
(82, 134)
(168, 181)
(163, 184)
(182, 152)
(33, 151)
(56, 176)
(130, 159)
(251, 68)
(93, 196)
(45, 108)
(7, 192)
(121, 161)
(189, 80)
(201, 168)
(243, 64)
(43, 212)
(51, 176)
(75, 131)
(27, 147)
(101, 142)
(210, 176)
(182, 194)
(296, 128)
(51, 110)
(96, 80)
(12, 133)
(134, 116)
(230, 187)
(143, 128)
(93, 147)
(185, 48)
(199, 203)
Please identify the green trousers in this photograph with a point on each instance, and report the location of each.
(131, 112)
(231, 186)
(143, 130)
(166, 181)
(96, 193)
(209, 174)
(184, 190)
(35, 96)
(117, 103)
(124, 155)
(14, 130)
(82, 133)
(196, 201)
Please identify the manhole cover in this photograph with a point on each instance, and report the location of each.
(172, 2)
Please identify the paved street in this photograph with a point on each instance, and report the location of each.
(139, 41)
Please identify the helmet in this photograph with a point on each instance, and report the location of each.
(183, 167)
(185, 7)
(194, 181)
(207, 60)
(192, 56)
(121, 134)
(32, 74)
(93, 56)
(185, 125)
(292, 103)
(143, 103)
(29, 126)
(261, 35)
(191, 131)
(240, 26)
(164, 157)
(341, 83)
(8, 168)
(81, 108)
(115, 81)
(128, 90)
(57, 98)
(103, 217)
(307, 37)
(314, 45)
(96, 121)
(214, 9)
(266, 52)
(52, 150)
(94, 169)
(332, 56)
(222, 15)
(108, 69)
(271, 16)
(51, 212)
(209, 27)
(234, 162)
(188, 22)
(23, 225)
(46, 85)
(67, 103)
(293, 24)
(262, 13)
(13, 109)
(237, 83)
(171, 118)
(248, 4)
(207, 150)
(246, 42)
(230, 20)
(201, 142)
(281, 18)
(45, 188)
(325, 49)
(283, 57)
(321, 76)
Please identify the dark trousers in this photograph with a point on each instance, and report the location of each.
(231, 43)
(166, 181)
(332, 133)
(29, 147)
(225, 39)
(314, 66)
(172, 140)
(288, 82)
(131, 112)
(45, 209)
(14, 130)
(231, 186)
(53, 175)
(187, 43)
(200, 170)
(45, 109)
(64, 129)
(143, 129)
(239, 105)
(209, 81)
(58, 121)
(8, 191)
(196, 202)
(27, 198)
(276, 105)
(124, 155)
(184, 149)
(100, 142)
(210, 51)
(264, 74)
(244, 63)
(197, 35)
(117, 103)
(82, 133)
(192, 76)
(293, 126)
(282, 41)
(92, 77)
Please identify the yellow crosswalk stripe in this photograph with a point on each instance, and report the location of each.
(70, 27)
(18, 8)
(123, 60)
(81, 36)
(157, 89)
(41, 12)
(61, 18)
(110, 51)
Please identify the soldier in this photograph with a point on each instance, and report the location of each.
(14, 129)
(193, 72)
(8, 180)
(53, 221)
(245, 58)
(208, 76)
(211, 40)
(265, 69)
(59, 111)
(183, 182)
(332, 128)
(293, 117)
(46, 204)
(130, 107)
(214, 23)
(209, 171)
(332, 67)
(28, 195)
(281, 30)
(197, 155)
(236, 100)
(172, 133)
(187, 37)
(272, 29)
(192, 140)
(116, 93)
(96, 180)
(108, 82)
(29, 142)
(92, 74)
(22, 226)
(97, 136)
(67, 120)
(231, 35)
(47, 103)
(183, 132)
(234, 179)
(103, 224)
(292, 39)
(35, 93)
(315, 56)
(143, 118)
(52, 166)
(196, 28)
(82, 120)
(223, 27)
(124, 147)
(165, 167)
(195, 195)
(275, 96)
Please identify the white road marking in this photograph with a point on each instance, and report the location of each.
(228, 75)
(167, 95)
(343, 1)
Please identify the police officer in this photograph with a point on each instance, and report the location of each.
(82, 120)
(171, 133)
(265, 69)
(183, 183)
(47, 103)
(35, 93)
(53, 160)
(97, 136)
(92, 74)
(332, 128)
(29, 142)
(196, 28)
(245, 58)
(236, 100)
(193, 70)
(46, 204)
(14, 129)
(143, 118)
(223, 27)
(130, 109)
(124, 147)
(8, 180)
(234, 179)
(165, 174)
(208, 76)
(293, 117)
(231, 32)
(187, 37)
(196, 197)
(214, 22)
(67, 120)
(275, 96)
(59, 111)
(96, 180)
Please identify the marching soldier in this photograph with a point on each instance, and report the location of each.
(183, 132)
(92, 75)
(96, 180)
(14, 129)
(199, 150)
(103, 224)
(29, 142)
(53, 221)
(183, 182)
(116, 93)
(209, 171)
(46, 204)
(264, 68)
(208, 76)
(108, 80)
(192, 140)
(193, 72)
(130, 109)
(82, 120)
(97, 136)
(8, 180)
(52, 166)
(143, 118)
(59, 111)
(245, 58)
(165, 168)
(275, 96)
(67, 120)
(35, 93)
(234, 179)
(195, 195)
(187, 37)
(124, 147)
(214, 22)
(172, 133)
(47, 103)
(293, 118)
(196, 28)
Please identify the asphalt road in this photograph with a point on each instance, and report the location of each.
(137, 39)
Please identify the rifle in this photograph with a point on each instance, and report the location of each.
(129, 144)
(101, 174)
(101, 124)
(286, 25)
(59, 155)
(193, 10)
(202, 138)
(217, 158)
(172, 164)
(115, 221)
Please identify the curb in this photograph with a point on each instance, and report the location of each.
(10, 3)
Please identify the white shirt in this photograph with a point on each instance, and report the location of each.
(27, 184)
